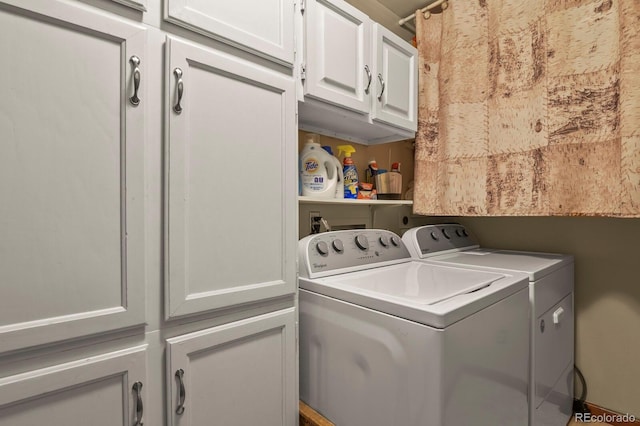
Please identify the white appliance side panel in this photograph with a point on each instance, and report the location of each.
(557, 408)
(362, 367)
(486, 365)
(553, 348)
(262, 27)
(552, 288)
(71, 174)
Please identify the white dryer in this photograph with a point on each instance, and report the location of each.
(551, 285)
(386, 340)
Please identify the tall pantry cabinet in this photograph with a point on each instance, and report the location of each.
(148, 187)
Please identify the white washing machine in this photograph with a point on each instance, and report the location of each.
(389, 341)
(551, 284)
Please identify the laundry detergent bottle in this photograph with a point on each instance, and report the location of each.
(350, 172)
(338, 167)
(318, 175)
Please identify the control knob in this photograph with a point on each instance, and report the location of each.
(446, 234)
(384, 241)
(434, 236)
(362, 242)
(395, 241)
(322, 248)
(338, 246)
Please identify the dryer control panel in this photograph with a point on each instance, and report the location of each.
(336, 252)
(428, 240)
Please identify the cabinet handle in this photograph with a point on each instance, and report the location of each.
(369, 76)
(381, 82)
(177, 108)
(135, 62)
(137, 388)
(183, 394)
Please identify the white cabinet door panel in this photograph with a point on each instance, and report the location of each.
(338, 43)
(71, 174)
(236, 374)
(230, 182)
(96, 391)
(263, 27)
(397, 66)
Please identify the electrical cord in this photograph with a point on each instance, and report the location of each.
(579, 405)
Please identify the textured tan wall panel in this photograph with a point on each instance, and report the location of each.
(630, 18)
(463, 25)
(630, 95)
(516, 184)
(469, 64)
(518, 61)
(464, 127)
(585, 178)
(518, 123)
(425, 194)
(513, 16)
(584, 108)
(463, 184)
(583, 39)
(630, 164)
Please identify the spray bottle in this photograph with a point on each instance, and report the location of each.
(350, 172)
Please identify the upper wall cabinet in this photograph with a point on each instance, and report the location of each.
(230, 189)
(338, 43)
(262, 27)
(359, 80)
(71, 173)
(395, 98)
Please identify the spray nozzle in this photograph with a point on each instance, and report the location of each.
(347, 149)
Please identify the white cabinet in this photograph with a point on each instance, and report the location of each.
(338, 43)
(359, 80)
(236, 374)
(262, 27)
(230, 187)
(102, 390)
(71, 174)
(395, 98)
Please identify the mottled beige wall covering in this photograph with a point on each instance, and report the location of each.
(529, 108)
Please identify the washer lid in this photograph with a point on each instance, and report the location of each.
(536, 265)
(429, 294)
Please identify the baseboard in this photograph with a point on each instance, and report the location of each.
(609, 416)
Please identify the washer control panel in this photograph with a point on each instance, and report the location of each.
(338, 250)
(432, 239)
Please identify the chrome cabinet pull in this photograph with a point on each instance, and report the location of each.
(366, 69)
(178, 73)
(135, 62)
(381, 82)
(183, 395)
(137, 388)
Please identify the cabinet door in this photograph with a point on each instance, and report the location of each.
(395, 93)
(135, 4)
(97, 391)
(237, 374)
(338, 51)
(263, 27)
(230, 182)
(71, 174)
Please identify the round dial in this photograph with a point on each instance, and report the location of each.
(434, 236)
(395, 241)
(322, 248)
(446, 234)
(338, 246)
(362, 242)
(458, 233)
(464, 232)
(384, 241)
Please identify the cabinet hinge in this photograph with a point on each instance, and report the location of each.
(302, 6)
(303, 72)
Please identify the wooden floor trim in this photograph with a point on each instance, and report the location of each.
(310, 417)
